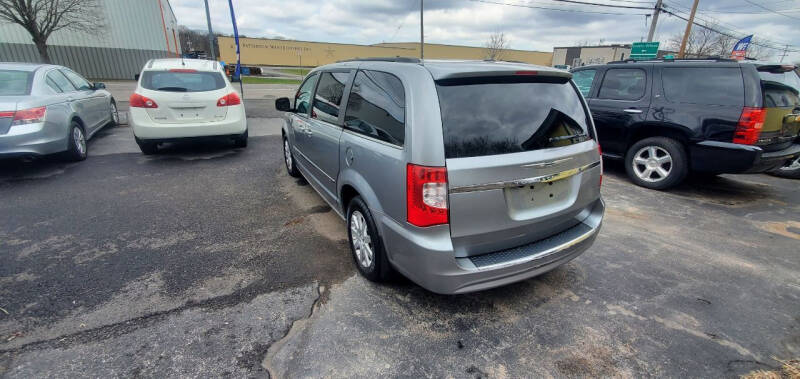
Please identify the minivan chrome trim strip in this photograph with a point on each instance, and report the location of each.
(524, 182)
(547, 164)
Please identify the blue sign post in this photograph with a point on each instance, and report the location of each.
(237, 72)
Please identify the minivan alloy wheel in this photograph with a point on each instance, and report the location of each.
(652, 163)
(362, 243)
(80, 140)
(287, 154)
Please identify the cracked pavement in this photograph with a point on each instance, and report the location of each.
(210, 261)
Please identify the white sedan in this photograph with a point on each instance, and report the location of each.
(176, 99)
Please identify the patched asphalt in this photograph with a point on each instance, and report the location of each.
(207, 260)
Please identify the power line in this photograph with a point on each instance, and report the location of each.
(560, 9)
(771, 10)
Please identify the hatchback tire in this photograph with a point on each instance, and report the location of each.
(147, 147)
(365, 243)
(288, 159)
(77, 149)
(241, 141)
(657, 163)
(791, 170)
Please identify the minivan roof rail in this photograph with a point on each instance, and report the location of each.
(384, 59)
(663, 60)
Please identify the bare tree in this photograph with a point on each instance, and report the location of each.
(496, 46)
(41, 18)
(700, 44)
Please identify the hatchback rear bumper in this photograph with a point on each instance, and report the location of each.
(145, 129)
(731, 158)
(425, 255)
(33, 139)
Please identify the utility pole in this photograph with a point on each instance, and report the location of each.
(656, 11)
(688, 29)
(210, 34)
(421, 31)
(785, 51)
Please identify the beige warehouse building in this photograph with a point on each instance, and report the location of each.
(276, 52)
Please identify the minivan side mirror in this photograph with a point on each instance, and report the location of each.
(283, 104)
(99, 85)
(136, 77)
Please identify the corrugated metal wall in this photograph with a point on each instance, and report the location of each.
(133, 34)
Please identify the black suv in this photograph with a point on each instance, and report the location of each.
(667, 117)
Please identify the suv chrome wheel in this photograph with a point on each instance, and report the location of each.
(652, 164)
(362, 243)
(792, 166)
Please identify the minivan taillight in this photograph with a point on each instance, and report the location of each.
(750, 124)
(138, 101)
(426, 195)
(228, 100)
(29, 116)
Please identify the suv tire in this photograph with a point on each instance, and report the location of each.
(657, 163)
(365, 243)
(288, 159)
(147, 147)
(791, 170)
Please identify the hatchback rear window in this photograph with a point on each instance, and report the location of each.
(177, 81)
(501, 115)
(15, 82)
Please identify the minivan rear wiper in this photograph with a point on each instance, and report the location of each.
(172, 89)
(571, 136)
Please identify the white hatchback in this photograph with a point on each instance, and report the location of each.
(177, 99)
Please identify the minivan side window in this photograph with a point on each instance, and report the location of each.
(303, 96)
(584, 79)
(376, 107)
(60, 80)
(623, 84)
(328, 96)
(703, 85)
(76, 79)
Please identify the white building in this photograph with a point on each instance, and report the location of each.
(134, 32)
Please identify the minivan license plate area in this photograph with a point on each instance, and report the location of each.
(540, 199)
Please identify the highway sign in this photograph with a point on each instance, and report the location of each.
(644, 50)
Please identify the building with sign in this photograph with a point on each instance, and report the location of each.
(278, 52)
(133, 32)
(577, 56)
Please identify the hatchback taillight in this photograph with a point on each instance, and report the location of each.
(426, 195)
(138, 101)
(29, 116)
(228, 100)
(750, 124)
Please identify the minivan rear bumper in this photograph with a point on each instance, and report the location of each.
(426, 256)
(731, 158)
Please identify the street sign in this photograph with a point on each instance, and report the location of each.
(644, 50)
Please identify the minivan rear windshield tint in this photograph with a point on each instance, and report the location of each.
(15, 82)
(489, 116)
(172, 81)
(781, 89)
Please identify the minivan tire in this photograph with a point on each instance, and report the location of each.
(359, 221)
(147, 147)
(288, 159)
(75, 152)
(791, 170)
(677, 166)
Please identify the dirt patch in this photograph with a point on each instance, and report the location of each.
(790, 229)
(788, 370)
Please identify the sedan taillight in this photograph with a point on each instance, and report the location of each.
(139, 101)
(29, 116)
(228, 100)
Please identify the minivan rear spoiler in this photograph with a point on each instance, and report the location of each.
(776, 68)
(509, 73)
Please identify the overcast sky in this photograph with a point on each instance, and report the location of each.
(470, 22)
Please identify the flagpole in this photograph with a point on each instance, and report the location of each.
(238, 72)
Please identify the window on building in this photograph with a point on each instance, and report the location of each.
(376, 107)
(623, 84)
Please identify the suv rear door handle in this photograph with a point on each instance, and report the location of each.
(632, 110)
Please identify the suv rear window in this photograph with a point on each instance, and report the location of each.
(15, 82)
(501, 115)
(704, 85)
(175, 81)
(781, 89)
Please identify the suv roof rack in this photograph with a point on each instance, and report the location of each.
(398, 59)
(663, 60)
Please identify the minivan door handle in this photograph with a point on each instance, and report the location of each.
(632, 110)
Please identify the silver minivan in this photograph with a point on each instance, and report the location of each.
(461, 175)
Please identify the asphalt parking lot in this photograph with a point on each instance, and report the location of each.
(207, 260)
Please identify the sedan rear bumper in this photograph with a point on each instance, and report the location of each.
(425, 255)
(33, 139)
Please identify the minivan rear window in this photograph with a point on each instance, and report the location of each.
(15, 82)
(501, 115)
(182, 81)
